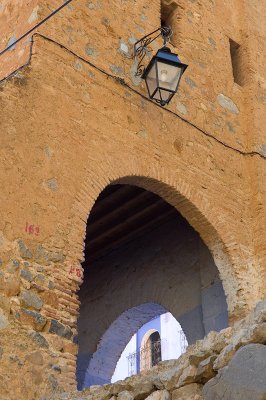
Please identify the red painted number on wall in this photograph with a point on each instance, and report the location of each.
(76, 271)
(32, 229)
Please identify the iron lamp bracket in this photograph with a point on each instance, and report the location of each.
(141, 47)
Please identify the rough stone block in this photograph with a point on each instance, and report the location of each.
(125, 395)
(3, 321)
(159, 395)
(70, 347)
(5, 304)
(188, 392)
(11, 285)
(260, 312)
(32, 318)
(26, 274)
(142, 391)
(31, 300)
(35, 358)
(243, 379)
(188, 375)
(205, 369)
(60, 329)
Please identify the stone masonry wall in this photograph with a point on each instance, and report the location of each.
(73, 120)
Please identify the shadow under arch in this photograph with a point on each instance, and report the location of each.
(167, 265)
(185, 199)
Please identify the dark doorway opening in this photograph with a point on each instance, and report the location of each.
(141, 258)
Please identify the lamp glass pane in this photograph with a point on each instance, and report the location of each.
(162, 95)
(168, 75)
(151, 80)
(165, 94)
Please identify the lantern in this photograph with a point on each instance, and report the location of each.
(162, 75)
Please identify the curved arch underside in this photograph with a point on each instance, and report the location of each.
(140, 250)
(103, 362)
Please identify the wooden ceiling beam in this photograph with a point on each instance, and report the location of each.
(106, 203)
(131, 223)
(137, 203)
(99, 251)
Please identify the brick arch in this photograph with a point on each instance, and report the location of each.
(188, 200)
(170, 266)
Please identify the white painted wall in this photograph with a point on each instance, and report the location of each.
(121, 370)
(170, 337)
(170, 341)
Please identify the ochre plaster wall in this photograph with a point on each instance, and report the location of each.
(68, 130)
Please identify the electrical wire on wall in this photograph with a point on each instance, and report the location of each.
(117, 79)
(57, 10)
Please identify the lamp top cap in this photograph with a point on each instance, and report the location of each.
(166, 54)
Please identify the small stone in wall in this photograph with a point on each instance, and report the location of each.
(132, 40)
(50, 297)
(117, 70)
(5, 304)
(90, 51)
(142, 134)
(39, 339)
(70, 348)
(91, 6)
(60, 329)
(123, 47)
(231, 127)
(3, 321)
(190, 83)
(56, 342)
(23, 250)
(43, 255)
(48, 152)
(12, 285)
(263, 149)
(34, 15)
(39, 279)
(140, 29)
(77, 66)
(53, 382)
(227, 103)
(211, 41)
(51, 285)
(52, 183)
(26, 274)
(11, 41)
(32, 300)
(181, 108)
(33, 319)
(105, 21)
(35, 358)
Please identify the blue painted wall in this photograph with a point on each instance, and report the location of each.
(153, 324)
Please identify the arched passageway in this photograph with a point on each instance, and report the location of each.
(141, 258)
